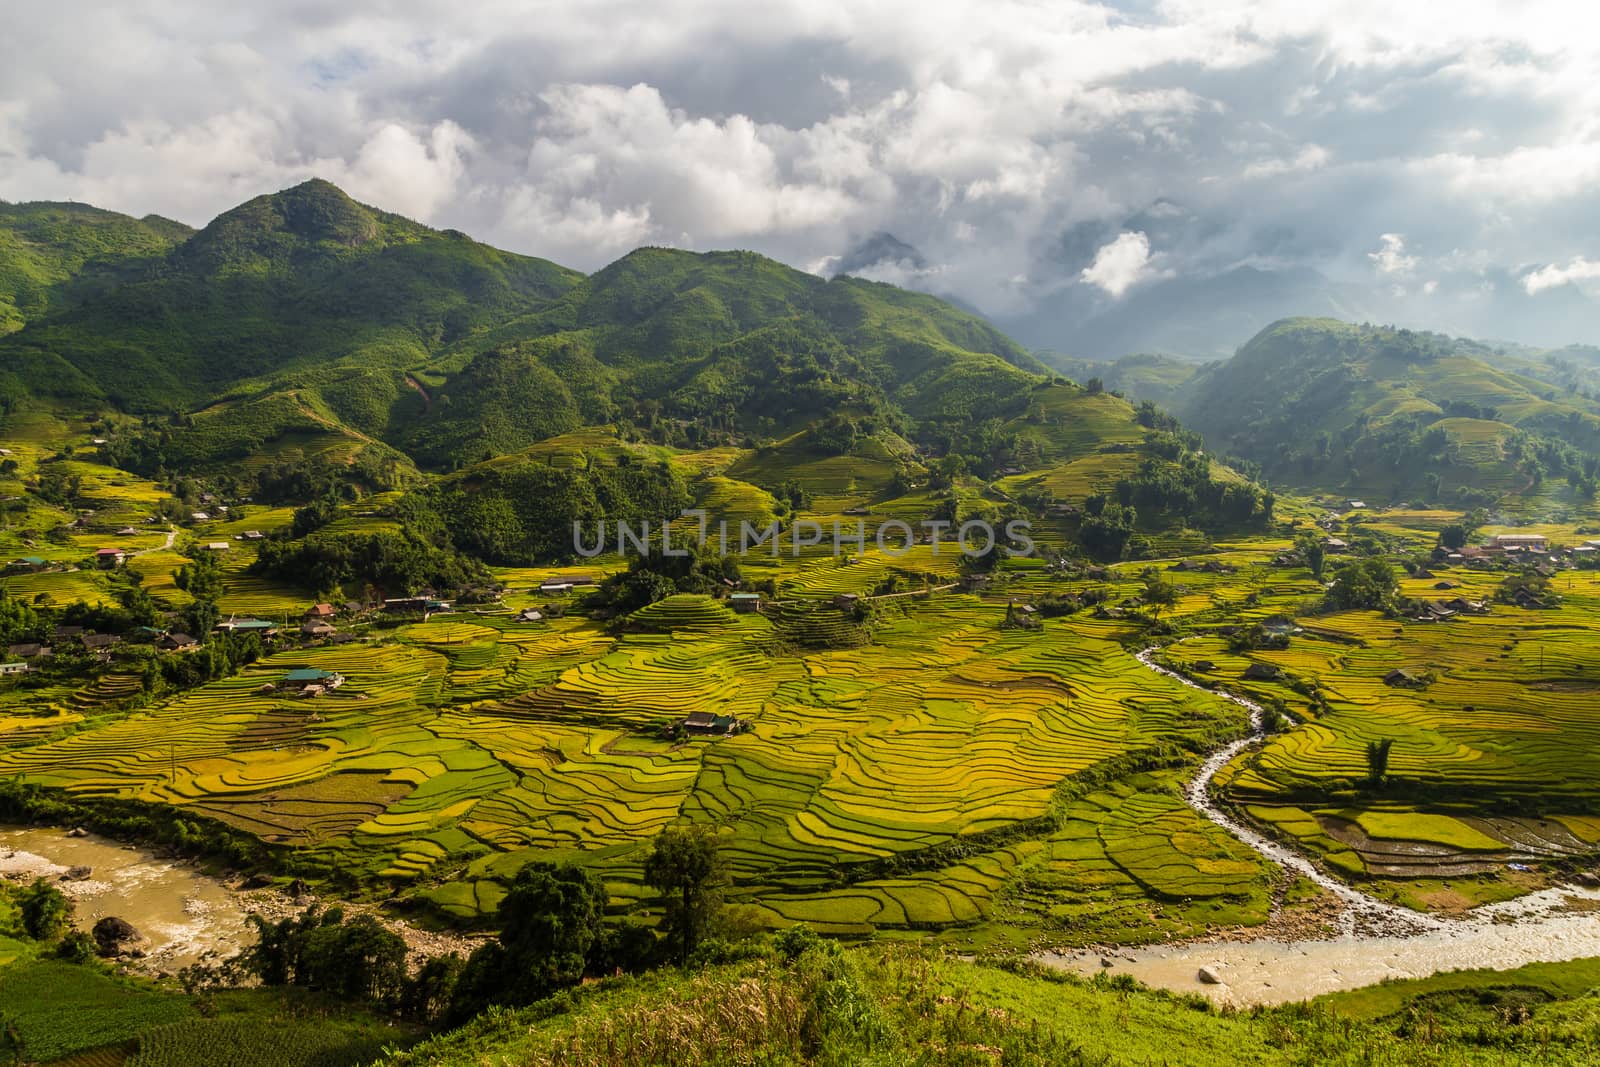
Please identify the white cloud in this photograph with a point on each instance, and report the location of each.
(1551, 276)
(1224, 132)
(1391, 257)
(1120, 264)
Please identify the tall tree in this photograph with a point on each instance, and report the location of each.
(685, 867)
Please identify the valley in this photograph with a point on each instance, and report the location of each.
(297, 589)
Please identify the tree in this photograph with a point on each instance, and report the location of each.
(550, 919)
(1311, 549)
(1159, 595)
(1453, 537)
(685, 867)
(1378, 760)
(45, 911)
(200, 617)
(1367, 583)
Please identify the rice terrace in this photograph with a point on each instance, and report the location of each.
(1171, 638)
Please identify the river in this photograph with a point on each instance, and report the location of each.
(1375, 940)
(184, 915)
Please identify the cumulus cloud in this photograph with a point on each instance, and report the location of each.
(1391, 257)
(1548, 277)
(1120, 264)
(1269, 134)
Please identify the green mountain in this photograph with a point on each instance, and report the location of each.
(304, 341)
(1390, 413)
(52, 253)
(300, 280)
(453, 351)
(1143, 376)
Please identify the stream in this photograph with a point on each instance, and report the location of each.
(1375, 939)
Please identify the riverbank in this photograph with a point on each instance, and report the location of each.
(186, 916)
(1374, 940)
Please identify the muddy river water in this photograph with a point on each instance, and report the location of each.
(183, 914)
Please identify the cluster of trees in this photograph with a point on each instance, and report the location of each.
(1181, 487)
(524, 513)
(398, 563)
(553, 933)
(1364, 583)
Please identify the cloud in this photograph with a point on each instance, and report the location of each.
(1120, 264)
(1551, 276)
(1391, 257)
(1013, 143)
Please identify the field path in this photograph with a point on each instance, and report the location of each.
(1359, 909)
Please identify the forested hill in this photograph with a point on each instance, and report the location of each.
(1389, 412)
(305, 309)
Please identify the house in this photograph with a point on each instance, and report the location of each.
(307, 677)
(405, 604)
(216, 546)
(253, 535)
(319, 611)
(745, 602)
(1007, 472)
(1263, 672)
(531, 615)
(176, 643)
(1203, 666)
(1335, 544)
(846, 601)
(971, 583)
(127, 531)
(27, 563)
(199, 516)
(249, 626)
(1468, 607)
(1519, 542)
(1445, 585)
(68, 633)
(107, 558)
(1524, 598)
(30, 650)
(1355, 505)
(555, 588)
(856, 511)
(317, 628)
(1433, 611)
(100, 642)
(705, 724)
(579, 579)
(13, 668)
(1402, 678)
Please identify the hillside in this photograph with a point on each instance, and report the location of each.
(47, 247)
(300, 280)
(1391, 413)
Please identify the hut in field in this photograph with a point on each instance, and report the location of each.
(1263, 672)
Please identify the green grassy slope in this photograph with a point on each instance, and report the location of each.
(47, 247)
(1379, 410)
(298, 279)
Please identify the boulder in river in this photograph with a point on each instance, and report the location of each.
(115, 937)
(1588, 878)
(77, 874)
(1208, 975)
(77, 831)
(259, 880)
(298, 889)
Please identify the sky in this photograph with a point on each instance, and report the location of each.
(1438, 164)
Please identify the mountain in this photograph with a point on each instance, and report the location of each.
(1142, 376)
(1388, 412)
(302, 279)
(307, 306)
(47, 247)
